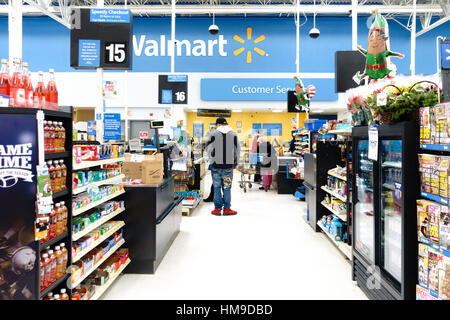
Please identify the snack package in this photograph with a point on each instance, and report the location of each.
(423, 265)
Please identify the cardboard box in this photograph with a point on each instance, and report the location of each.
(148, 168)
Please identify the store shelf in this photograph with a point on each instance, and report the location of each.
(105, 287)
(57, 155)
(90, 164)
(438, 147)
(53, 241)
(96, 224)
(389, 186)
(434, 246)
(342, 246)
(334, 174)
(341, 132)
(334, 194)
(98, 183)
(96, 203)
(434, 197)
(339, 215)
(98, 264)
(100, 240)
(54, 285)
(60, 194)
(392, 164)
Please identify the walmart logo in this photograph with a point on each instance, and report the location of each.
(249, 38)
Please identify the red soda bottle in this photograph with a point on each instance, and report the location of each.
(51, 96)
(39, 92)
(5, 81)
(17, 88)
(28, 86)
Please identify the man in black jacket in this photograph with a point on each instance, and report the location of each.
(224, 148)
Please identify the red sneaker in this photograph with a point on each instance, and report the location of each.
(216, 212)
(229, 212)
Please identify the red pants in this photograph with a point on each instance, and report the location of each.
(266, 178)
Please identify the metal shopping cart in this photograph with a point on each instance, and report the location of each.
(248, 169)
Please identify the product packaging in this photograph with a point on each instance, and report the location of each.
(423, 265)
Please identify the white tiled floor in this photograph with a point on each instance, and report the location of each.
(267, 251)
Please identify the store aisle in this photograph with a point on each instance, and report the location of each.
(267, 251)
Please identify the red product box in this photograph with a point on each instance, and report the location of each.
(122, 254)
(90, 153)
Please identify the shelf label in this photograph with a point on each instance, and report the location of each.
(373, 142)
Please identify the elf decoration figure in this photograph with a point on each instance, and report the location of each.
(378, 65)
(303, 96)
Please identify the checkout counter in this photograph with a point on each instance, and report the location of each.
(287, 183)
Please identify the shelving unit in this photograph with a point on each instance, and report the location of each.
(98, 264)
(339, 215)
(90, 164)
(334, 194)
(105, 287)
(302, 145)
(96, 224)
(334, 174)
(342, 246)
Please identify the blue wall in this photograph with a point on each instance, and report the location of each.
(46, 43)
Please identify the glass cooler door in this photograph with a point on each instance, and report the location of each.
(364, 224)
(391, 207)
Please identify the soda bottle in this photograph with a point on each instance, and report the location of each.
(65, 256)
(28, 86)
(63, 175)
(52, 226)
(42, 274)
(17, 88)
(57, 297)
(49, 296)
(64, 213)
(51, 96)
(63, 137)
(58, 229)
(5, 81)
(52, 133)
(45, 136)
(52, 174)
(59, 263)
(39, 92)
(58, 137)
(64, 295)
(58, 175)
(47, 267)
(52, 256)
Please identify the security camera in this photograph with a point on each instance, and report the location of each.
(314, 33)
(213, 29)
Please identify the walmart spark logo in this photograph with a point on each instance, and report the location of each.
(249, 52)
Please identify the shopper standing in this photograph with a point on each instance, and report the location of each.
(224, 148)
(268, 162)
(210, 198)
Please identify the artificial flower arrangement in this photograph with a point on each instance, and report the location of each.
(395, 100)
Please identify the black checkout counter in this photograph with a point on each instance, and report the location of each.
(152, 222)
(287, 183)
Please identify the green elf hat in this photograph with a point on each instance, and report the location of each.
(297, 80)
(379, 24)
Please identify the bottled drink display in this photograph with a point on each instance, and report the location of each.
(57, 222)
(5, 81)
(54, 137)
(51, 96)
(53, 265)
(17, 88)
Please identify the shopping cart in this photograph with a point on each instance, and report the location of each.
(248, 170)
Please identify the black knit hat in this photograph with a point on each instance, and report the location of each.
(221, 121)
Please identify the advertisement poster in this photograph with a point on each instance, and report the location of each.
(110, 89)
(113, 127)
(18, 186)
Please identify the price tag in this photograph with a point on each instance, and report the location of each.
(373, 142)
(143, 134)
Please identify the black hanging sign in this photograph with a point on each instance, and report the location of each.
(173, 89)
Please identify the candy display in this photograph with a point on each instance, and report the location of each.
(80, 223)
(84, 178)
(90, 197)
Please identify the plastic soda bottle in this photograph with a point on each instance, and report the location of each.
(52, 256)
(5, 81)
(42, 273)
(28, 86)
(59, 221)
(64, 295)
(52, 226)
(58, 175)
(65, 255)
(17, 89)
(51, 96)
(48, 269)
(52, 130)
(59, 263)
(63, 137)
(51, 172)
(46, 133)
(58, 137)
(57, 297)
(39, 92)
(64, 214)
(49, 296)
(63, 175)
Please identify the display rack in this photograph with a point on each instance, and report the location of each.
(98, 224)
(302, 142)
